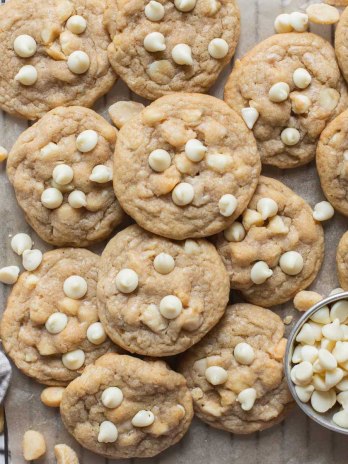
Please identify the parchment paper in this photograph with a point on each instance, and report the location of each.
(297, 440)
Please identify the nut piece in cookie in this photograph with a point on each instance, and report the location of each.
(52, 62)
(332, 162)
(61, 170)
(153, 411)
(342, 262)
(235, 374)
(186, 166)
(160, 47)
(45, 326)
(157, 297)
(280, 250)
(293, 82)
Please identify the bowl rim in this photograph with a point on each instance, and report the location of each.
(305, 407)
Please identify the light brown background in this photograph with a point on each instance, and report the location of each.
(295, 441)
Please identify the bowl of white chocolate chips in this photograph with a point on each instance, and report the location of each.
(316, 362)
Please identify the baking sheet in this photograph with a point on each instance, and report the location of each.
(295, 441)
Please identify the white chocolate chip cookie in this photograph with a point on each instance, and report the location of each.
(163, 46)
(61, 170)
(186, 166)
(43, 330)
(281, 251)
(49, 58)
(235, 373)
(294, 83)
(156, 296)
(123, 407)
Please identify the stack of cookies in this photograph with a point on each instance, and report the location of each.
(180, 179)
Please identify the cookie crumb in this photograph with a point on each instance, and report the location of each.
(288, 320)
(34, 445)
(306, 299)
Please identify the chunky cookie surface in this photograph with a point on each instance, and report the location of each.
(342, 261)
(332, 162)
(186, 166)
(291, 85)
(275, 249)
(158, 297)
(54, 53)
(61, 170)
(50, 327)
(123, 407)
(235, 374)
(171, 46)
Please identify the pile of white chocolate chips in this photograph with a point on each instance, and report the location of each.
(320, 361)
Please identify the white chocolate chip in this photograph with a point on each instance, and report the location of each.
(75, 287)
(235, 233)
(159, 160)
(260, 272)
(342, 399)
(185, 5)
(218, 48)
(76, 24)
(244, 353)
(328, 99)
(322, 401)
(50, 150)
(3, 154)
(27, 75)
(340, 351)
(327, 344)
(96, 333)
(154, 11)
(282, 24)
(31, 259)
(306, 335)
(107, 432)
(170, 307)
(300, 104)
(322, 316)
(34, 445)
(164, 263)
(319, 13)
(191, 247)
(297, 354)
(267, 207)
(77, 199)
(151, 317)
(304, 393)
(250, 116)
(290, 136)
(122, 111)
(24, 46)
(195, 150)
(291, 263)
(323, 211)
(56, 323)
(73, 360)
(247, 398)
(154, 42)
(9, 274)
(216, 375)
(112, 397)
(279, 92)
(304, 372)
(62, 174)
(227, 205)
(127, 280)
(21, 242)
(340, 418)
(182, 54)
(301, 78)
(339, 310)
(333, 377)
(316, 330)
(309, 353)
(327, 359)
(343, 385)
(335, 291)
(333, 331)
(277, 226)
(251, 218)
(87, 141)
(51, 198)
(183, 194)
(143, 418)
(101, 174)
(78, 62)
(299, 21)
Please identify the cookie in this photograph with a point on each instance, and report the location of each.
(186, 166)
(342, 261)
(235, 374)
(161, 47)
(50, 327)
(275, 249)
(332, 162)
(158, 297)
(290, 86)
(54, 53)
(61, 170)
(123, 407)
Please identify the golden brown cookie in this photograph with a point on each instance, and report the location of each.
(123, 407)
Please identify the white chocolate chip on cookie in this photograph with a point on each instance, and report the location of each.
(75, 287)
(244, 353)
(182, 54)
(218, 48)
(301, 78)
(62, 174)
(76, 24)
(51, 198)
(235, 233)
(77, 199)
(87, 140)
(159, 160)
(154, 42)
(185, 5)
(290, 136)
(300, 104)
(21, 242)
(143, 418)
(279, 92)
(164, 263)
(183, 194)
(127, 280)
(291, 263)
(27, 75)
(251, 218)
(267, 207)
(227, 204)
(260, 272)
(170, 307)
(216, 375)
(195, 150)
(112, 397)
(247, 398)
(73, 360)
(24, 46)
(101, 174)
(31, 259)
(250, 116)
(107, 432)
(56, 323)
(154, 11)
(96, 333)
(78, 62)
